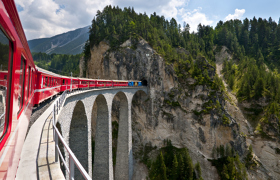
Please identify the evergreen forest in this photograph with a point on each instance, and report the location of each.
(62, 64)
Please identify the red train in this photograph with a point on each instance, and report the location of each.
(23, 85)
(50, 84)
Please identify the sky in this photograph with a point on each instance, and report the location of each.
(46, 18)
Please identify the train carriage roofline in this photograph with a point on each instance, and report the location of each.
(120, 80)
(86, 79)
(47, 72)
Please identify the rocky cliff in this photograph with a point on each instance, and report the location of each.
(180, 109)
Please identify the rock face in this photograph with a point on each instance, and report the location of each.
(266, 151)
(170, 109)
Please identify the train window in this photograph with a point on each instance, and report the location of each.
(28, 82)
(6, 54)
(22, 83)
(46, 81)
(42, 82)
(30, 87)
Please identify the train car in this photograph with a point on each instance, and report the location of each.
(104, 83)
(17, 77)
(84, 83)
(48, 85)
(137, 83)
(92, 83)
(118, 83)
(75, 83)
(130, 83)
(134, 83)
(65, 83)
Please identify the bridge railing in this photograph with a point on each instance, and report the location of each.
(73, 161)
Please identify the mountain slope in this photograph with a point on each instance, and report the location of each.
(71, 42)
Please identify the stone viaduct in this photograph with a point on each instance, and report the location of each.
(76, 120)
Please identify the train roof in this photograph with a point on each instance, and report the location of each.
(120, 80)
(47, 72)
(103, 79)
(86, 79)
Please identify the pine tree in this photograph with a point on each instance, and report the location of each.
(162, 175)
(188, 166)
(259, 88)
(198, 171)
(181, 168)
(174, 172)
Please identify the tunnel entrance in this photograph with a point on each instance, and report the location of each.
(144, 82)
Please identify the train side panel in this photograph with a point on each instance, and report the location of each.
(16, 89)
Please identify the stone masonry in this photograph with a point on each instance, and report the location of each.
(75, 122)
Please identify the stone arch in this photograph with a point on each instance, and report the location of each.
(141, 103)
(78, 137)
(121, 108)
(139, 117)
(140, 95)
(102, 164)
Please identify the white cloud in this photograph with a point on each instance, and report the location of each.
(167, 8)
(46, 18)
(237, 14)
(193, 18)
(170, 10)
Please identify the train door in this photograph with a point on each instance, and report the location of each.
(71, 85)
(42, 82)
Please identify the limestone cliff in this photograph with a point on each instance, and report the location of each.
(265, 150)
(174, 108)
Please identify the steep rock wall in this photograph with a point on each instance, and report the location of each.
(168, 110)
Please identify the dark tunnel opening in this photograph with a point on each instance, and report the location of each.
(144, 82)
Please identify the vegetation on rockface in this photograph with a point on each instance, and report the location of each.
(254, 76)
(116, 26)
(250, 163)
(171, 163)
(228, 163)
(253, 82)
(269, 125)
(58, 63)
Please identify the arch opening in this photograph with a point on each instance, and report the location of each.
(140, 108)
(78, 137)
(120, 136)
(102, 152)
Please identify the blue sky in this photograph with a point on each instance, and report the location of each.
(46, 18)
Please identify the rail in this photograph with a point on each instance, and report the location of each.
(72, 158)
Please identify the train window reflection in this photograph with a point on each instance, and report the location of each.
(21, 83)
(4, 72)
(46, 82)
(28, 86)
